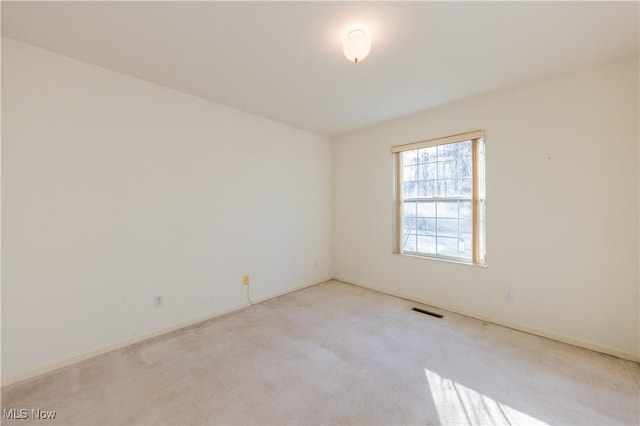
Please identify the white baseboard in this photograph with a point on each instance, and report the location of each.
(19, 377)
(542, 333)
(15, 378)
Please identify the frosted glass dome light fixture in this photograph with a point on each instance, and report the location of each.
(356, 45)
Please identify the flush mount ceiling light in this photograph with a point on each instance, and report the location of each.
(356, 45)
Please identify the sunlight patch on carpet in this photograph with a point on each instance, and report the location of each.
(460, 405)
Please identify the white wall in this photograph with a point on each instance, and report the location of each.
(562, 209)
(115, 190)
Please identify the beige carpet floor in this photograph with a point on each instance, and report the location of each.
(338, 354)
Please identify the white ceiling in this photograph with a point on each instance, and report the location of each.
(283, 60)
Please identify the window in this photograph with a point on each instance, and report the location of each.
(440, 198)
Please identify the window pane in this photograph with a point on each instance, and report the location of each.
(465, 209)
(465, 247)
(428, 155)
(444, 152)
(423, 190)
(466, 226)
(409, 242)
(465, 186)
(440, 222)
(409, 158)
(427, 171)
(465, 148)
(464, 167)
(448, 209)
(448, 247)
(447, 227)
(409, 209)
(427, 245)
(447, 170)
(427, 209)
(409, 189)
(426, 226)
(409, 173)
(409, 224)
(431, 188)
(448, 188)
(432, 171)
(421, 172)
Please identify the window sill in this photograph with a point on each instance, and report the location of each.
(440, 259)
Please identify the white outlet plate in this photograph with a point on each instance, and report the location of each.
(508, 295)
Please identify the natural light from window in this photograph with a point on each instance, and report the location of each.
(440, 198)
(460, 405)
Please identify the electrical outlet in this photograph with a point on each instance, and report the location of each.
(508, 295)
(245, 280)
(158, 301)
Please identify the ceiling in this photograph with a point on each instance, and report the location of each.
(284, 61)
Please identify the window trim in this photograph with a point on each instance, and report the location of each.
(476, 257)
(461, 137)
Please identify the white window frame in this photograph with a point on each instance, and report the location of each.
(478, 195)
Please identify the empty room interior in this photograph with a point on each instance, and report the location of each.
(320, 213)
